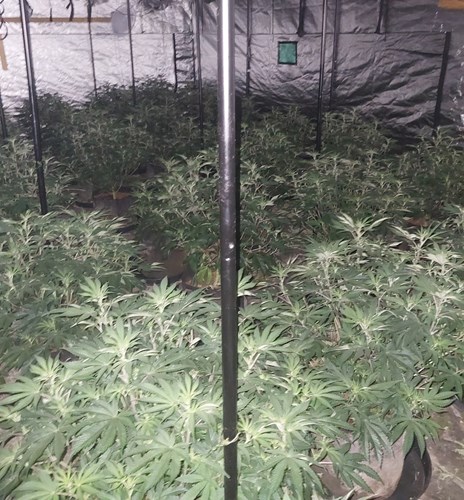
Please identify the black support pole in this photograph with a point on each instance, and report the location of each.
(320, 94)
(333, 72)
(174, 61)
(197, 55)
(248, 47)
(92, 54)
(228, 230)
(3, 119)
(382, 18)
(23, 9)
(441, 83)
(131, 50)
(301, 18)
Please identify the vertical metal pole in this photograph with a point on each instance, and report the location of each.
(228, 230)
(441, 83)
(320, 95)
(3, 119)
(197, 53)
(23, 9)
(333, 72)
(301, 18)
(92, 54)
(131, 50)
(382, 18)
(248, 47)
(174, 61)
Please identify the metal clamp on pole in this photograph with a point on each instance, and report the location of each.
(25, 11)
(228, 230)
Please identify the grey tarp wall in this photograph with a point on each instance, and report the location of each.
(388, 56)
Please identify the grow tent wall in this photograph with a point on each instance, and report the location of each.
(387, 58)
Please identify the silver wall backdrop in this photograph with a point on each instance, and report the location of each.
(387, 60)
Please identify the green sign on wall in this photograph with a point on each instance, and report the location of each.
(288, 53)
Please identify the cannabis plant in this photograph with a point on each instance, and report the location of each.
(106, 150)
(355, 343)
(55, 120)
(433, 170)
(44, 260)
(181, 207)
(350, 135)
(18, 178)
(279, 138)
(136, 413)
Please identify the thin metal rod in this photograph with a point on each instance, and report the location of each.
(320, 94)
(92, 53)
(23, 6)
(382, 18)
(441, 83)
(301, 18)
(248, 46)
(131, 50)
(197, 55)
(174, 49)
(333, 72)
(228, 232)
(3, 119)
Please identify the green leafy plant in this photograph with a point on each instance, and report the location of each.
(43, 261)
(350, 135)
(106, 150)
(434, 170)
(55, 119)
(356, 342)
(137, 412)
(180, 206)
(18, 179)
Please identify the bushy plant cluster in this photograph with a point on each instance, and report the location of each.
(43, 262)
(434, 170)
(350, 135)
(95, 148)
(18, 179)
(354, 342)
(287, 196)
(181, 208)
(107, 138)
(352, 339)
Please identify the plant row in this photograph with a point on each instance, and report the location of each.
(355, 342)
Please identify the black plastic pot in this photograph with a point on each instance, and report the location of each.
(415, 478)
